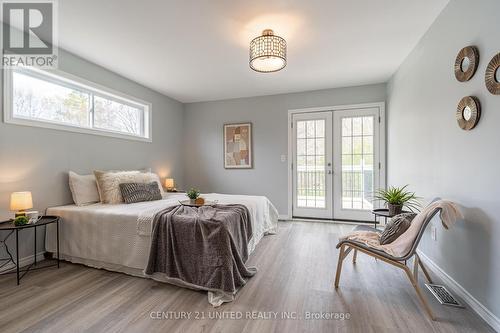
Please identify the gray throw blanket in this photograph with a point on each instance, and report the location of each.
(204, 248)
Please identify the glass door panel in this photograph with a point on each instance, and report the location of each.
(355, 163)
(312, 165)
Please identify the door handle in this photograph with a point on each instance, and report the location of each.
(330, 172)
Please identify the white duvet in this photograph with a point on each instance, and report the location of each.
(118, 237)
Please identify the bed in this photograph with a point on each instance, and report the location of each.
(118, 237)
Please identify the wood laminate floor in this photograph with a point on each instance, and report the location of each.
(296, 273)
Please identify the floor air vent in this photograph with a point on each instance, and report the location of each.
(443, 295)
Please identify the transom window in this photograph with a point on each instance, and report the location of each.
(39, 98)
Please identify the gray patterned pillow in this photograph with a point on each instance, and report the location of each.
(396, 227)
(139, 192)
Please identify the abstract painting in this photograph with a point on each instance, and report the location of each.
(238, 146)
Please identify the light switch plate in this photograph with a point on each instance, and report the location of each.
(283, 158)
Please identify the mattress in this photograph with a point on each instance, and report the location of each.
(118, 237)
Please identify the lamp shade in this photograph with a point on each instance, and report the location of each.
(169, 183)
(267, 52)
(21, 201)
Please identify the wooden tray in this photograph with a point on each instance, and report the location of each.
(189, 204)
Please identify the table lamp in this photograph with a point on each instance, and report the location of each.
(20, 201)
(170, 184)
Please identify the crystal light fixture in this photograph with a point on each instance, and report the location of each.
(267, 52)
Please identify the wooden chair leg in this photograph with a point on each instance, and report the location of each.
(419, 293)
(426, 273)
(354, 256)
(339, 266)
(415, 268)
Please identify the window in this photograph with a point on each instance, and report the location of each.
(39, 98)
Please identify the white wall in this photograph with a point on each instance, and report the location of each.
(428, 150)
(38, 159)
(203, 122)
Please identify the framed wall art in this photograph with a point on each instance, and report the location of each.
(238, 146)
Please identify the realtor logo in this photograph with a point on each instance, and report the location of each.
(29, 33)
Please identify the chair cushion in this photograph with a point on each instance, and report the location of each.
(396, 227)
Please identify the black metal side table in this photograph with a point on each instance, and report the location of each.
(383, 212)
(11, 229)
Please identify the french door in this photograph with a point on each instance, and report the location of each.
(312, 165)
(336, 163)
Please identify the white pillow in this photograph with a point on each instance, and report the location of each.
(108, 183)
(83, 189)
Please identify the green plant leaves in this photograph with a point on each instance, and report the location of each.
(193, 193)
(21, 220)
(398, 196)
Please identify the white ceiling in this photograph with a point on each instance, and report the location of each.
(198, 50)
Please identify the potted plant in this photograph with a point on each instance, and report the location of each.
(20, 221)
(193, 194)
(396, 198)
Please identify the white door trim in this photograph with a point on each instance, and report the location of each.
(380, 105)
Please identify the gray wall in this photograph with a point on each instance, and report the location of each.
(203, 124)
(428, 150)
(38, 159)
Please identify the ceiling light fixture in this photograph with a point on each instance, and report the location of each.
(267, 52)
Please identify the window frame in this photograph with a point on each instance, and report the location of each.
(73, 82)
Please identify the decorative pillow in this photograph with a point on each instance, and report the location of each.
(153, 177)
(83, 189)
(148, 177)
(396, 227)
(108, 183)
(139, 192)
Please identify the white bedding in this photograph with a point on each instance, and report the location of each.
(118, 237)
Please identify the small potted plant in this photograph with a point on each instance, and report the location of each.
(395, 198)
(193, 194)
(20, 221)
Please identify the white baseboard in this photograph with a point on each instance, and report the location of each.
(300, 219)
(24, 261)
(460, 291)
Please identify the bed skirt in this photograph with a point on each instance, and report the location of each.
(215, 298)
